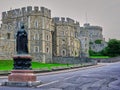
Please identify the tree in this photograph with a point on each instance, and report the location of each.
(113, 48)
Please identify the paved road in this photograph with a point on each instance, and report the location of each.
(98, 78)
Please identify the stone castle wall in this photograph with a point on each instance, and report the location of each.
(66, 42)
(37, 23)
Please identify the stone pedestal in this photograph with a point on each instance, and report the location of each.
(22, 75)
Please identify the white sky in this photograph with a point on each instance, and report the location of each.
(104, 13)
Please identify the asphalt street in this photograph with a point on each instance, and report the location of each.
(105, 77)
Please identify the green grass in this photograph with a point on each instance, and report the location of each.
(36, 65)
(8, 65)
(99, 57)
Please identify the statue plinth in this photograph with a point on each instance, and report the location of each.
(22, 62)
(22, 75)
(22, 69)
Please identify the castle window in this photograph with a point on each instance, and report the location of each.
(36, 49)
(36, 24)
(47, 37)
(36, 36)
(63, 52)
(8, 35)
(63, 41)
(47, 50)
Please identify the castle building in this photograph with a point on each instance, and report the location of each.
(48, 37)
(96, 40)
(65, 41)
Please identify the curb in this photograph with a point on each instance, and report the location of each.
(57, 69)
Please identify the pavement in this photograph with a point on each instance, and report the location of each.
(99, 77)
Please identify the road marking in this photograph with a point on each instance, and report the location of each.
(56, 81)
(69, 77)
(48, 83)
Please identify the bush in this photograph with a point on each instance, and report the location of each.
(98, 41)
(93, 53)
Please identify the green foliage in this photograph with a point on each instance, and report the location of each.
(113, 48)
(92, 53)
(98, 41)
(100, 54)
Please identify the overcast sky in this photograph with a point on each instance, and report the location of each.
(104, 13)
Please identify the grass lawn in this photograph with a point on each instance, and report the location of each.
(99, 57)
(8, 65)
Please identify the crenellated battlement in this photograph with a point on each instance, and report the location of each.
(64, 20)
(26, 11)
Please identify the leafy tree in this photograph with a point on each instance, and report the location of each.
(113, 48)
(104, 52)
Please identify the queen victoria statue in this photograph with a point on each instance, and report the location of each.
(22, 41)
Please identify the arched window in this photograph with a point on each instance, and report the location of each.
(63, 52)
(47, 50)
(36, 49)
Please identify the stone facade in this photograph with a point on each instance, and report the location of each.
(47, 37)
(38, 25)
(84, 39)
(65, 39)
(7, 42)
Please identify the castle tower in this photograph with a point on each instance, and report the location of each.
(64, 38)
(38, 23)
(96, 40)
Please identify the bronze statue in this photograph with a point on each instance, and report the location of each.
(22, 41)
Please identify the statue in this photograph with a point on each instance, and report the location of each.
(22, 60)
(22, 41)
